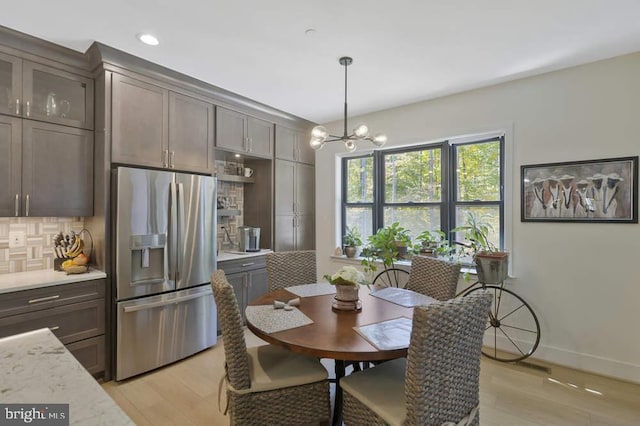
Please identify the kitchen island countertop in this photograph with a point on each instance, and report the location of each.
(35, 367)
(18, 281)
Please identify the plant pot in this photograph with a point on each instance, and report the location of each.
(347, 298)
(492, 268)
(427, 251)
(350, 251)
(402, 251)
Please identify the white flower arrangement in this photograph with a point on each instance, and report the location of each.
(347, 275)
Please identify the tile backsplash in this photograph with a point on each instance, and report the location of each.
(38, 252)
(233, 194)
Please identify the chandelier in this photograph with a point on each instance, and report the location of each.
(320, 135)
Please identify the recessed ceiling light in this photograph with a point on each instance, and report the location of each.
(238, 155)
(148, 39)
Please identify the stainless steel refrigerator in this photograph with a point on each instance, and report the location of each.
(165, 253)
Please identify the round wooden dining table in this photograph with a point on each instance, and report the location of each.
(332, 334)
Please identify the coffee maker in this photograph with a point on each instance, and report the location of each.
(248, 238)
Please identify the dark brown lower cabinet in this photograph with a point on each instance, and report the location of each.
(74, 312)
(90, 353)
(248, 277)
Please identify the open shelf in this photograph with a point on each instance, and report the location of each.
(228, 212)
(234, 178)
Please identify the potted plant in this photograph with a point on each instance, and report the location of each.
(434, 244)
(492, 265)
(347, 281)
(352, 240)
(389, 244)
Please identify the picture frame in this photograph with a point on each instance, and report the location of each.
(580, 191)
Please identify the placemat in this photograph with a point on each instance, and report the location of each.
(272, 320)
(388, 335)
(308, 290)
(403, 297)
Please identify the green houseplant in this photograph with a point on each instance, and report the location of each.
(389, 244)
(352, 240)
(434, 244)
(492, 265)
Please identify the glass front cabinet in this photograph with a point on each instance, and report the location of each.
(39, 92)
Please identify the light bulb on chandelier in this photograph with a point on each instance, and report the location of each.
(320, 136)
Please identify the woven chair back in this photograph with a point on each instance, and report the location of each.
(235, 347)
(433, 277)
(443, 363)
(289, 268)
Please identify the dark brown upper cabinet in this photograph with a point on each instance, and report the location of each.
(191, 124)
(10, 165)
(39, 92)
(293, 145)
(139, 124)
(243, 134)
(152, 126)
(294, 206)
(47, 169)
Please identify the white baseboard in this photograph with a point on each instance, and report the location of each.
(594, 364)
(580, 361)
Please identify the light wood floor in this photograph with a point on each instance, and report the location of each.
(186, 393)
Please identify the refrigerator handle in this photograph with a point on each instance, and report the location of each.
(161, 303)
(173, 229)
(181, 234)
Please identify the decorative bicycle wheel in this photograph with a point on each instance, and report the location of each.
(513, 331)
(392, 277)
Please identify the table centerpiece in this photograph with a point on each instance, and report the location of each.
(347, 281)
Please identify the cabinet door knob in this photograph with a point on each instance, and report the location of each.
(17, 204)
(28, 109)
(171, 165)
(165, 158)
(27, 205)
(17, 106)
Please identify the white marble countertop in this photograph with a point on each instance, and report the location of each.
(36, 368)
(18, 281)
(233, 255)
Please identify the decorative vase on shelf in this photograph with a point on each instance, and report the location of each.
(347, 298)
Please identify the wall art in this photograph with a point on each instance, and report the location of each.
(581, 191)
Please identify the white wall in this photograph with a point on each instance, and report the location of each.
(583, 280)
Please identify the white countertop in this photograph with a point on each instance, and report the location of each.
(18, 281)
(233, 255)
(36, 368)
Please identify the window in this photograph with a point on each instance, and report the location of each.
(358, 195)
(425, 187)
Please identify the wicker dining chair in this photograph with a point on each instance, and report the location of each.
(289, 268)
(267, 384)
(433, 277)
(438, 382)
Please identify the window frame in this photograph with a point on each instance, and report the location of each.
(454, 187)
(346, 204)
(379, 166)
(448, 203)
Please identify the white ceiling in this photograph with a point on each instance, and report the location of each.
(404, 51)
